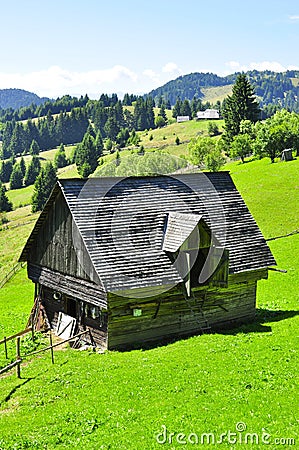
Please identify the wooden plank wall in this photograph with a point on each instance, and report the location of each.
(54, 247)
(174, 317)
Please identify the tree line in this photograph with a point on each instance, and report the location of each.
(47, 132)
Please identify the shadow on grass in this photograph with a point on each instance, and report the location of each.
(13, 391)
(233, 328)
(257, 325)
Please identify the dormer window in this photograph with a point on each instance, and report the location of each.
(199, 259)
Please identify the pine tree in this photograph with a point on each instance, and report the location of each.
(60, 159)
(17, 143)
(32, 171)
(16, 177)
(162, 112)
(176, 111)
(241, 105)
(150, 115)
(34, 148)
(87, 156)
(43, 187)
(5, 204)
(98, 146)
(5, 151)
(186, 109)
(5, 170)
(23, 166)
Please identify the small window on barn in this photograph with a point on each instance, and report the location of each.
(89, 311)
(188, 243)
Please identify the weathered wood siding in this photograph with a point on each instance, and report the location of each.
(98, 330)
(98, 335)
(69, 285)
(54, 246)
(170, 315)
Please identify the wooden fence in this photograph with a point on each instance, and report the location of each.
(10, 274)
(19, 359)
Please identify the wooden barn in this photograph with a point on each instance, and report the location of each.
(144, 259)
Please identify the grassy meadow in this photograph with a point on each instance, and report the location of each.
(170, 396)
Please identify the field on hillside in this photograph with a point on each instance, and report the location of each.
(213, 94)
(205, 387)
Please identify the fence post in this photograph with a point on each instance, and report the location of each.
(18, 366)
(51, 345)
(5, 346)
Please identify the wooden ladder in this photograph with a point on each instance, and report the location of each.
(206, 328)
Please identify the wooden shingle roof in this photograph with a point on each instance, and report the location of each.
(122, 222)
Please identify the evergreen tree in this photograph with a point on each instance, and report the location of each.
(23, 166)
(18, 142)
(150, 115)
(5, 204)
(16, 177)
(177, 109)
(140, 115)
(186, 109)
(32, 171)
(43, 187)
(162, 112)
(98, 144)
(86, 156)
(5, 150)
(6, 170)
(122, 137)
(60, 159)
(34, 148)
(167, 104)
(241, 105)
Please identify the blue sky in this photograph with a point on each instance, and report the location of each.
(57, 47)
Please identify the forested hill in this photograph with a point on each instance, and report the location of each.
(271, 87)
(18, 98)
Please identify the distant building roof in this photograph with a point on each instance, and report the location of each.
(208, 114)
(182, 118)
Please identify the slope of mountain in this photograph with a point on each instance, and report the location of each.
(270, 87)
(17, 98)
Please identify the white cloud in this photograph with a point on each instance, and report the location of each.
(55, 81)
(274, 66)
(171, 67)
(294, 18)
(152, 75)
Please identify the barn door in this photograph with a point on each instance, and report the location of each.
(65, 327)
(71, 307)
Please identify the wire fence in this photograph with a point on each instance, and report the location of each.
(10, 274)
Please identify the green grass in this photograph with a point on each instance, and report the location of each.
(13, 236)
(20, 197)
(165, 137)
(205, 384)
(213, 94)
(271, 192)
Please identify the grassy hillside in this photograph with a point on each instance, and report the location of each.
(206, 384)
(213, 94)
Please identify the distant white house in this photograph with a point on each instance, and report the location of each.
(208, 114)
(182, 118)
